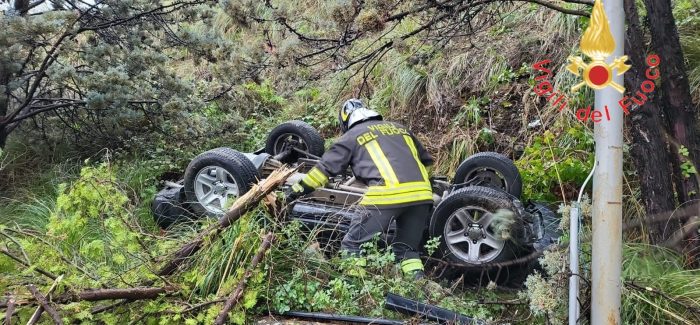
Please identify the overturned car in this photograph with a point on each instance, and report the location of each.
(477, 218)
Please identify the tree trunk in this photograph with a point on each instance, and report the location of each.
(4, 101)
(678, 104)
(22, 7)
(3, 137)
(649, 149)
(675, 91)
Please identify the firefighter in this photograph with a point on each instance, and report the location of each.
(392, 162)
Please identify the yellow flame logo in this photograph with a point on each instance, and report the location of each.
(597, 43)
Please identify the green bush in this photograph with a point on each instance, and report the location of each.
(552, 162)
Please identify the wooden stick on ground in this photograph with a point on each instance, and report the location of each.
(127, 294)
(242, 205)
(10, 311)
(240, 288)
(40, 309)
(138, 293)
(45, 305)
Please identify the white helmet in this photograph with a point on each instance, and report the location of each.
(353, 112)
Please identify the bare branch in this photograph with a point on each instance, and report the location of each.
(45, 305)
(25, 263)
(240, 288)
(10, 311)
(558, 8)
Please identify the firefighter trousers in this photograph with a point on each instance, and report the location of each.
(411, 222)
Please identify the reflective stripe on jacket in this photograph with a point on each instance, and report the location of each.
(383, 155)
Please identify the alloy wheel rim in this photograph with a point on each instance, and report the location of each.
(214, 187)
(470, 236)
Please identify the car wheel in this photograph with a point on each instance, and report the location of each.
(215, 178)
(297, 134)
(465, 223)
(489, 169)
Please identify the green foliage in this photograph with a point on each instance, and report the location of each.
(486, 136)
(688, 21)
(656, 287)
(222, 78)
(658, 290)
(432, 244)
(471, 112)
(504, 76)
(553, 160)
(308, 281)
(687, 166)
(266, 95)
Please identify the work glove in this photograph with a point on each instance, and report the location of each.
(293, 193)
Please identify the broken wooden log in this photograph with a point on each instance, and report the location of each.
(45, 306)
(127, 294)
(242, 205)
(243, 283)
(137, 293)
(10, 311)
(40, 309)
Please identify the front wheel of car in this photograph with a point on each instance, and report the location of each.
(214, 179)
(472, 224)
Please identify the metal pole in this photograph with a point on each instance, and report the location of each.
(574, 246)
(606, 264)
(573, 264)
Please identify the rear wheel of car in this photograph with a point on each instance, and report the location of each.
(217, 177)
(489, 169)
(467, 223)
(294, 134)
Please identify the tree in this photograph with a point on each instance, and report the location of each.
(676, 100)
(96, 68)
(649, 148)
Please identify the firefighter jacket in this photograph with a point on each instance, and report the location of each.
(383, 155)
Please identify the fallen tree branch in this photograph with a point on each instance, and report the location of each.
(138, 293)
(45, 305)
(242, 205)
(40, 309)
(690, 227)
(20, 261)
(126, 294)
(645, 289)
(10, 311)
(238, 293)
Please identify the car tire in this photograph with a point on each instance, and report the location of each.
(216, 176)
(489, 169)
(471, 230)
(308, 137)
